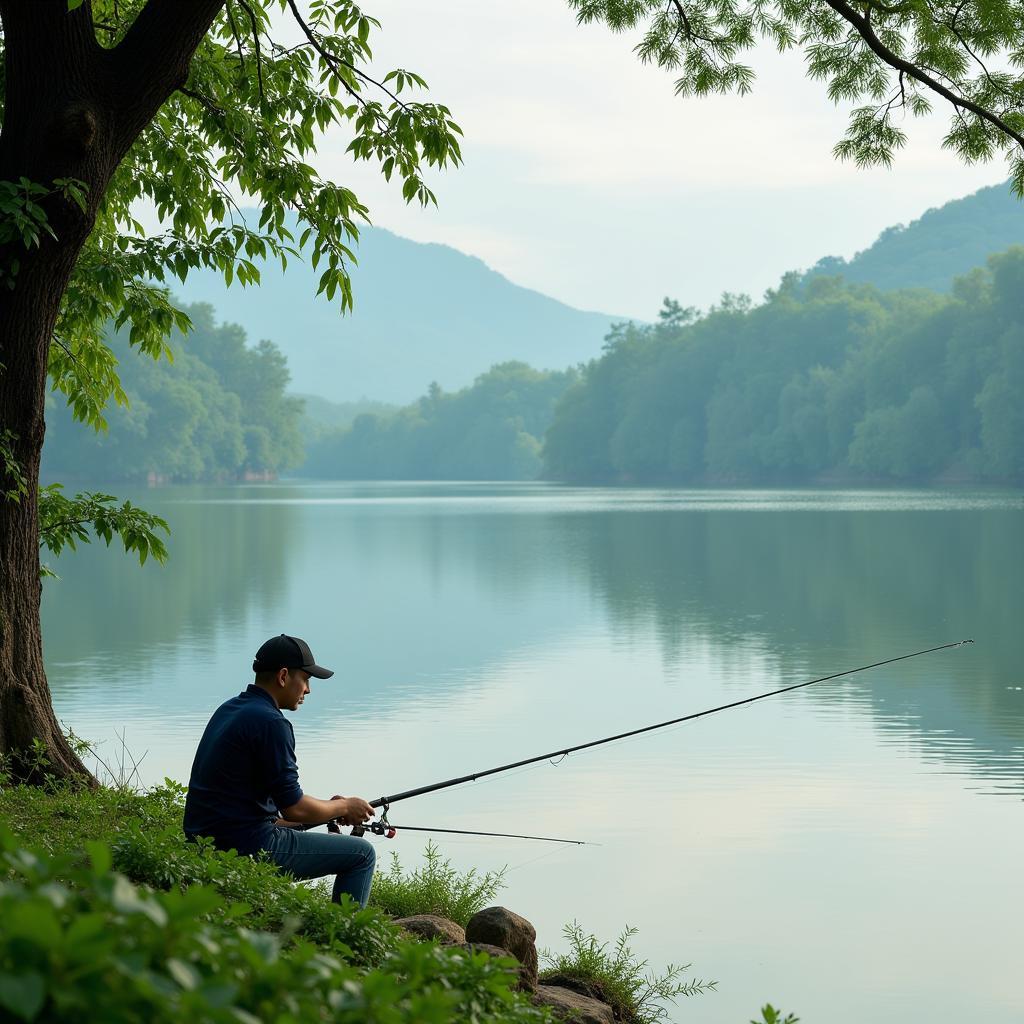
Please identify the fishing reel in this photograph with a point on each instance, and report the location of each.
(379, 826)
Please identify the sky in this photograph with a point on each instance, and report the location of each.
(587, 179)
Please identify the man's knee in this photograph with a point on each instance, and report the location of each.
(369, 852)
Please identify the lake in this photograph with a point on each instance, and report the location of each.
(851, 851)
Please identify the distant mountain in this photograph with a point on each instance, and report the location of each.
(423, 313)
(940, 245)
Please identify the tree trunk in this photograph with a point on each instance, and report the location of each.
(71, 110)
(27, 317)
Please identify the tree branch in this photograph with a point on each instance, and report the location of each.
(256, 45)
(235, 35)
(153, 60)
(867, 33)
(335, 62)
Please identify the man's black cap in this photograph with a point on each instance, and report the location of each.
(288, 652)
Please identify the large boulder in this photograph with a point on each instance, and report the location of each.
(525, 982)
(433, 926)
(568, 1005)
(500, 927)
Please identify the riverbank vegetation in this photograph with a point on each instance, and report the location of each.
(109, 915)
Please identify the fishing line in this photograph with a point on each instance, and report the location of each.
(532, 860)
(496, 835)
(385, 801)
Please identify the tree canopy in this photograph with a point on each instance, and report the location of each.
(244, 122)
(109, 105)
(886, 59)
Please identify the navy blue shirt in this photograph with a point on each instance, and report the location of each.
(244, 773)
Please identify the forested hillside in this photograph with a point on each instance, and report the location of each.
(218, 412)
(824, 381)
(938, 247)
(490, 431)
(828, 380)
(422, 313)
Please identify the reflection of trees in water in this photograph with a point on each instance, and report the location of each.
(821, 591)
(224, 562)
(811, 591)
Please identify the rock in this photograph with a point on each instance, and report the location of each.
(432, 926)
(500, 927)
(568, 1005)
(583, 986)
(525, 983)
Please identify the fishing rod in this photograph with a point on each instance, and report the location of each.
(386, 801)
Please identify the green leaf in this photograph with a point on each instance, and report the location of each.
(99, 856)
(184, 974)
(128, 900)
(22, 993)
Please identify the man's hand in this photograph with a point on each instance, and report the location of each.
(355, 810)
(310, 811)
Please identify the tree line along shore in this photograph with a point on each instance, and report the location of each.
(822, 382)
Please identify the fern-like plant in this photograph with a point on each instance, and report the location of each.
(618, 977)
(434, 888)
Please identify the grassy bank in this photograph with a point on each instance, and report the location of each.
(109, 915)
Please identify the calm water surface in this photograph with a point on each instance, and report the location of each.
(851, 851)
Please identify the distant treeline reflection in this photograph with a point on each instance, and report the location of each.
(808, 591)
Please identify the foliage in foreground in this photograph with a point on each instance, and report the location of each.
(82, 943)
(888, 60)
(178, 913)
(434, 888)
(619, 978)
(148, 847)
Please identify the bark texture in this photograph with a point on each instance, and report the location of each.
(72, 109)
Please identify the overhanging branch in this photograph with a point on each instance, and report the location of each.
(867, 33)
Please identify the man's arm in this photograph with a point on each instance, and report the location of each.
(349, 810)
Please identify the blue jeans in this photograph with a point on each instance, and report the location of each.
(315, 854)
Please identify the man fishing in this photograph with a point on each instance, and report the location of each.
(244, 789)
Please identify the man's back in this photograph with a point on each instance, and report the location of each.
(243, 774)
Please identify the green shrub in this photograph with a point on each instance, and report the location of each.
(162, 859)
(769, 1015)
(82, 943)
(619, 978)
(434, 888)
(64, 817)
(149, 849)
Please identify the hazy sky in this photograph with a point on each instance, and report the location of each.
(587, 179)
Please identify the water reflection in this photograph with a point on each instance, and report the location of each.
(824, 590)
(418, 589)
